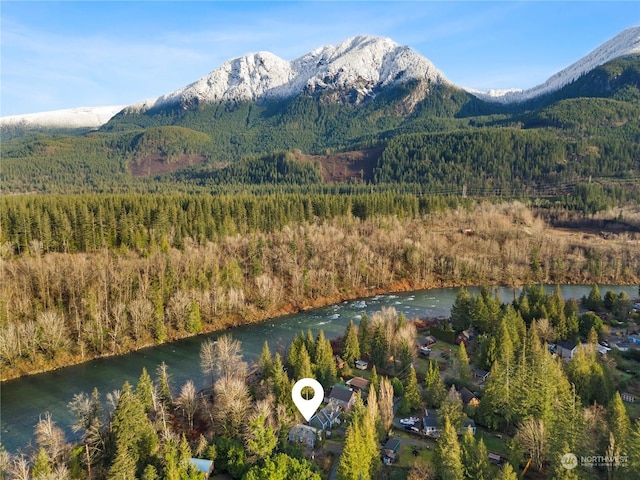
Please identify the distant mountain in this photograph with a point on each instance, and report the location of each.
(365, 111)
(81, 117)
(349, 72)
(624, 44)
(360, 65)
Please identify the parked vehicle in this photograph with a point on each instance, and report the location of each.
(409, 421)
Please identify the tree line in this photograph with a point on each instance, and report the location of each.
(59, 307)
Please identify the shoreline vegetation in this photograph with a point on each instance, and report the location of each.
(61, 308)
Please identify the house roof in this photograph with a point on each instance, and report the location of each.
(566, 345)
(466, 395)
(430, 421)
(203, 465)
(328, 414)
(302, 432)
(480, 373)
(392, 444)
(341, 393)
(358, 382)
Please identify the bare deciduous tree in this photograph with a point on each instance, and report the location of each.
(188, 402)
(222, 359)
(177, 309)
(19, 469)
(532, 437)
(51, 437)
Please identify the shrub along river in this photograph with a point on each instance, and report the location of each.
(23, 400)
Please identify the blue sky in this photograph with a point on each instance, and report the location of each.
(87, 53)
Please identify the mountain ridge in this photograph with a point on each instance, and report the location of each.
(362, 65)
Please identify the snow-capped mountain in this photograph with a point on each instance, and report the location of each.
(623, 44)
(81, 117)
(363, 63)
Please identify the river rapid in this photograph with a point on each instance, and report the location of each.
(23, 400)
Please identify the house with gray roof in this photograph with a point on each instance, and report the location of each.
(327, 417)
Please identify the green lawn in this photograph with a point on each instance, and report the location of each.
(492, 441)
(406, 458)
(633, 409)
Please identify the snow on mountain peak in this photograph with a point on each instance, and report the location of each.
(625, 43)
(81, 117)
(362, 62)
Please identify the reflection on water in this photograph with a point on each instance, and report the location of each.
(23, 400)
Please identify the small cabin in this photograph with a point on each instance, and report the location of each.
(362, 364)
(628, 397)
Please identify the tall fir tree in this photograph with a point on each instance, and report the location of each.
(325, 365)
(351, 345)
(364, 335)
(435, 390)
(474, 456)
(619, 423)
(448, 455)
(412, 391)
(265, 361)
(144, 390)
(464, 369)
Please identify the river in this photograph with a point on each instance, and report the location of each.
(24, 399)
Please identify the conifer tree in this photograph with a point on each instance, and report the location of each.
(634, 449)
(435, 390)
(411, 391)
(194, 320)
(325, 365)
(448, 456)
(265, 362)
(310, 343)
(463, 364)
(41, 465)
(351, 345)
(619, 423)
(507, 473)
(144, 390)
(261, 435)
(133, 437)
(379, 346)
(474, 455)
(374, 381)
(303, 369)
(353, 461)
(462, 310)
(150, 473)
(451, 409)
(364, 335)
(163, 382)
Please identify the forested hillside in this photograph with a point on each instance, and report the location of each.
(114, 273)
(435, 137)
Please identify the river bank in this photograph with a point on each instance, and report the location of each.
(232, 321)
(404, 285)
(26, 398)
(61, 309)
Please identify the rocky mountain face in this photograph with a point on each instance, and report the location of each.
(357, 67)
(349, 72)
